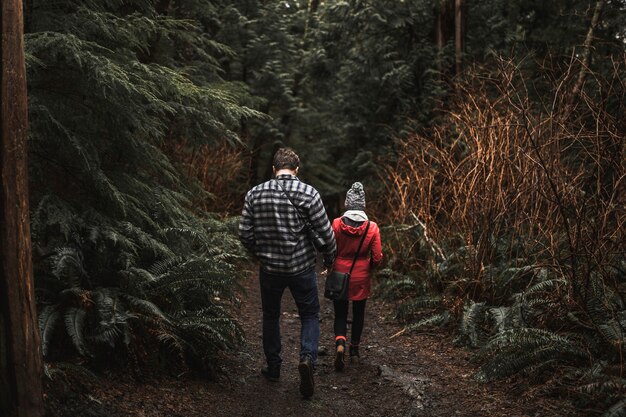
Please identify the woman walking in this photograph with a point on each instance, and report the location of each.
(349, 230)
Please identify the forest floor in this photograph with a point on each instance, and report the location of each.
(408, 375)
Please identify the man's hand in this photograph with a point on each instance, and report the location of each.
(324, 272)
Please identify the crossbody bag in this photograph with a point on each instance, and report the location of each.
(337, 283)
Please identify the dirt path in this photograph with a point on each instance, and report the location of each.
(414, 375)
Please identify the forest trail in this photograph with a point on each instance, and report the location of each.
(410, 375)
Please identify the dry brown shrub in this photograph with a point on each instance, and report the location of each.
(220, 171)
(508, 177)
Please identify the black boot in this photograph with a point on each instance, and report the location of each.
(307, 384)
(271, 373)
(354, 354)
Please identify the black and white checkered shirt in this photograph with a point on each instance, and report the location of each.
(272, 230)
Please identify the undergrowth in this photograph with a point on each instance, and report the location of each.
(512, 231)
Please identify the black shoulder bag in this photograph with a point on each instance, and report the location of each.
(312, 235)
(336, 286)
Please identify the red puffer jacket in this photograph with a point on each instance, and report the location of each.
(370, 256)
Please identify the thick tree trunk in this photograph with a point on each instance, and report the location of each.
(20, 352)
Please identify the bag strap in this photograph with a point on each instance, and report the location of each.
(356, 255)
(306, 223)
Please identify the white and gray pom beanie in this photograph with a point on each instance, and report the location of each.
(355, 197)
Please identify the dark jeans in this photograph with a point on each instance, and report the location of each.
(358, 318)
(303, 288)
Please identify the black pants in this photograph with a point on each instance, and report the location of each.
(341, 319)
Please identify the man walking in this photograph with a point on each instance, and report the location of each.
(281, 220)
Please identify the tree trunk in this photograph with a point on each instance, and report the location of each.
(255, 152)
(20, 347)
(311, 10)
(444, 32)
(28, 16)
(458, 36)
(440, 29)
(586, 58)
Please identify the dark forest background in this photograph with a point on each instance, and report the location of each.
(490, 136)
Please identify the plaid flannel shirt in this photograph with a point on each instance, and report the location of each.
(272, 229)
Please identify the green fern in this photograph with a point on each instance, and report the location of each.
(516, 350)
(435, 320)
(617, 410)
(613, 385)
(410, 307)
(74, 324)
(48, 320)
(68, 266)
(474, 315)
(394, 286)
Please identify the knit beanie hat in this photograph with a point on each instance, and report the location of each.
(355, 197)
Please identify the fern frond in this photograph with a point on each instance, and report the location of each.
(469, 326)
(68, 266)
(173, 343)
(617, 410)
(521, 349)
(163, 267)
(394, 288)
(546, 285)
(612, 386)
(527, 337)
(436, 320)
(145, 307)
(75, 324)
(48, 319)
(411, 306)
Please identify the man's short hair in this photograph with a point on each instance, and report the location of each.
(286, 158)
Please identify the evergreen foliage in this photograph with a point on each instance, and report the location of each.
(275, 55)
(376, 65)
(122, 258)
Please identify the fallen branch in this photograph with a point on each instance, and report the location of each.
(433, 245)
(400, 333)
